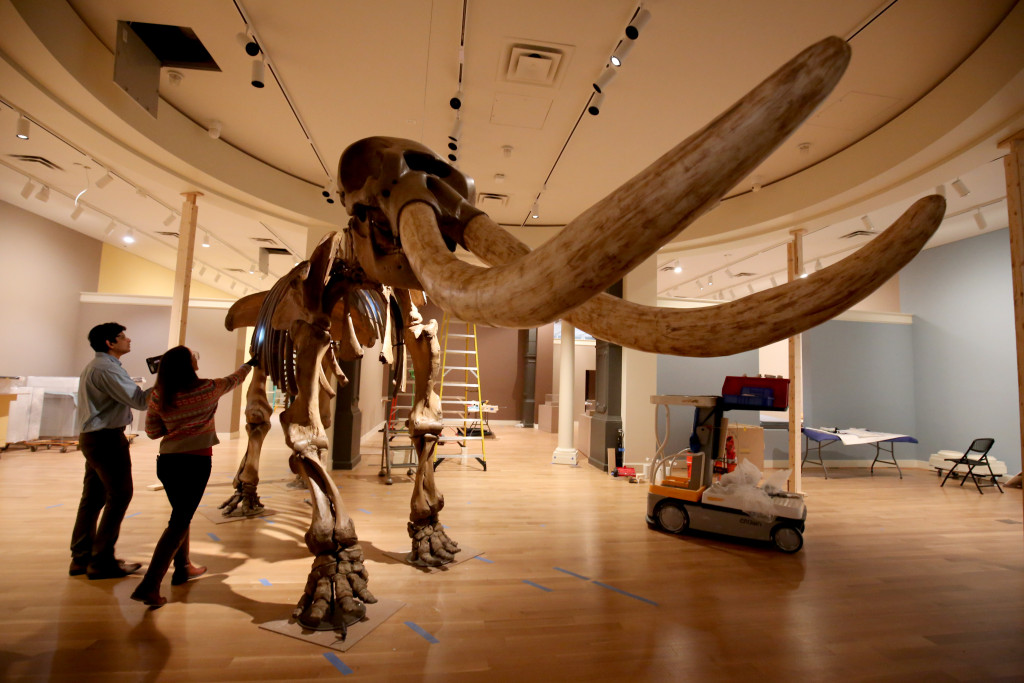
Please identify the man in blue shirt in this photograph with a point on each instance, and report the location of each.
(106, 395)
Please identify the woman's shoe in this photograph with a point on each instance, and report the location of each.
(184, 574)
(151, 598)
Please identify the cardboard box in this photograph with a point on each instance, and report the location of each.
(749, 443)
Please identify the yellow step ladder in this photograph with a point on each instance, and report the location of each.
(462, 403)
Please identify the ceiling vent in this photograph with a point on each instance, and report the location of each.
(236, 270)
(533, 64)
(167, 234)
(264, 240)
(858, 233)
(489, 201)
(744, 274)
(33, 159)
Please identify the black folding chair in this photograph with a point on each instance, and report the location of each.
(975, 456)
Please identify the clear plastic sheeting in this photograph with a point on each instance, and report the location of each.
(739, 489)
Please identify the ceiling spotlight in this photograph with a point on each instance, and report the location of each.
(44, 194)
(803, 273)
(247, 41)
(170, 218)
(22, 128)
(866, 220)
(329, 191)
(216, 278)
(728, 273)
(214, 130)
(775, 283)
(456, 101)
(817, 265)
(941, 191)
(27, 190)
(202, 271)
(258, 73)
(232, 284)
(206, 240)
(700, 287)
(104, 181)
(76, 212)
(960, 187)
(638, 23)
(175, 77)
(456, 134)
(621, 51)
(499, 177)
(750, 288)
(535, 210)
(980, 220)
(129, 237)
(677, 269)
(252, 268)
(596, 102)
(110, 229)
(604, 79)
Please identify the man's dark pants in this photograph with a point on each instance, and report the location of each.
(108, 487)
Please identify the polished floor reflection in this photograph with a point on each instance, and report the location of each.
(897, 580)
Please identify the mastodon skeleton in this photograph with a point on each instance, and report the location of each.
(409, 209)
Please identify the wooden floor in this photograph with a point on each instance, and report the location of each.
(897, 581)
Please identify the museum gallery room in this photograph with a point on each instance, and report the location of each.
(584, 340)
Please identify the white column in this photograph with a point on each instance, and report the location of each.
(566, 454)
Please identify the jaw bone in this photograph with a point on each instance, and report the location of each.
(615, 235)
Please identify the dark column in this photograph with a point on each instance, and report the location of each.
(606, 421)
(607, 418)
(348, 420)
(528, 341)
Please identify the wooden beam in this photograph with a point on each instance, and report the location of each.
(183, 270)
(1013, 166)
(795, 265)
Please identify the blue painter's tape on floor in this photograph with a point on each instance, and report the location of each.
(268, 521)
(56, 505)
(213, 536)
(265, 582)
(134, 514)
(338, 664)
(537, 585)
(566, 571)
(483, 559)
(426, 636)
(366, 511)
(628, 595)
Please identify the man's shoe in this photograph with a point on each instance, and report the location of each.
(184, 574)
(77, 568)
(118, 570)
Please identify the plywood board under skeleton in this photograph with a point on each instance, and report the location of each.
(376, 614)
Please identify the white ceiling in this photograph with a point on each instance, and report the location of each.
(932, 87)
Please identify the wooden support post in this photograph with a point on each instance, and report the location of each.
(183, 269)
(1013, 166)
(239, 394)
(795, 264)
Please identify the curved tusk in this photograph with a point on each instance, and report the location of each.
(615, 235)
(748, 323)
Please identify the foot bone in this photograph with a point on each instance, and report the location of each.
(430, 544)
(336, 593)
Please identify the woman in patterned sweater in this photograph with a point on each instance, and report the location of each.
(181, 410)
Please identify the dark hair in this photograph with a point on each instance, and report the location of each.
(175, 375)
(101, 334)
